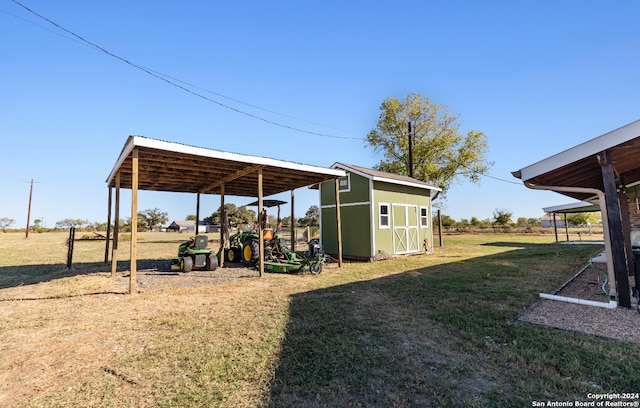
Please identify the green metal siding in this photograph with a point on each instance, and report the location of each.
(404, 234)
(355, 240)
(400, 197)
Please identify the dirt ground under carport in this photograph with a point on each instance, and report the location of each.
(156, 274)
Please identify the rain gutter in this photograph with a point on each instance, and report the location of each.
(605, 227)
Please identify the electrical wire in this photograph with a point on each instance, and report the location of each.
(174, 83)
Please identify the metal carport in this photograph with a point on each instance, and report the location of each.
(157, 165)
(598, 171)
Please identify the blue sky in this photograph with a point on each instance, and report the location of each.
(536, 77)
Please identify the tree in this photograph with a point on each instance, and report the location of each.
(5, 223)
(153, 217)
(190, 217)
(440, 153)
(71, 223)
(582, 219)
(447, 221)
(311, 217)
(502, 217)
(235, 216)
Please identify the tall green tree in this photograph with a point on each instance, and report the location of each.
(311, 217)
(441, 154)
(154, 217)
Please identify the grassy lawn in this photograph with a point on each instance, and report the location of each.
(427, 330)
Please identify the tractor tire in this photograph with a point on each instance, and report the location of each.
(250, 252)
(212, 263)
(186, 264)
(232, 255)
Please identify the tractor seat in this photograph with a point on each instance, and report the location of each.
(201, 242)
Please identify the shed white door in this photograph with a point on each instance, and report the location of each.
(405, 228)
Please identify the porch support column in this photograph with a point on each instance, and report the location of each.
(615, 228)
(626, 226)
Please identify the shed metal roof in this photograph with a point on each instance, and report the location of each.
(378, 175)
(579, 166)
(176, 167)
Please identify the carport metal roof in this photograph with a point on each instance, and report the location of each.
(156, 165)
(176, 167)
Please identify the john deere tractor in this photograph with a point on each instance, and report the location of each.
(194, 254)
(244, 246)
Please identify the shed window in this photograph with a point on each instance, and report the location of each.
(384, 216)
(424, 217)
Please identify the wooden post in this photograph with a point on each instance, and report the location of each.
(29, 210)
(566, 227)
(260, 226)
(615, 229)
(626, 228)
(223, 226)
(72, 235)
(440, 226)
(197, 213)
(293, 222)
(338, 222)
(555, 227)
(116, 229)
(106, 246)
(134, 222)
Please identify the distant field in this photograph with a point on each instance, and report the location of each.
(426, 330)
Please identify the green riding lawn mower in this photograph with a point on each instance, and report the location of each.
(194, 254)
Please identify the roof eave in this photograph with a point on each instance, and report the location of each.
(586, 149)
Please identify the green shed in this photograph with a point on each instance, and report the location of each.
(382, 214)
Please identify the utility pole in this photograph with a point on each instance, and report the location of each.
(29, 209)
(410, 151)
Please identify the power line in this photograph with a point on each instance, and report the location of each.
(164, 78)
(174, 82)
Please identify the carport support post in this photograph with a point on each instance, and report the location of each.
(197, 212)
(106, 246)
(615, 228)
(566, 227)
(293, 223)
(116, 229)
(223, 225)
(260, 226)
(134, 222)
(338, 222)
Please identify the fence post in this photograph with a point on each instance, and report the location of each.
(72, 234)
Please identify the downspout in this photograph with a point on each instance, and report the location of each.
(605, 227)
